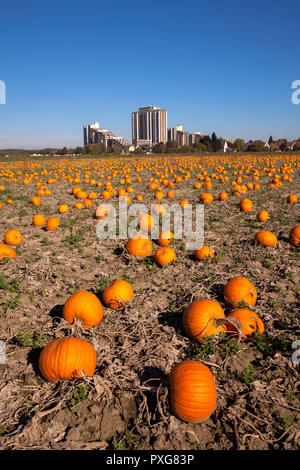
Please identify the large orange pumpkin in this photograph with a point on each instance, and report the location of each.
(199, 319)
(238, 290)
(117, 293)
(248, 322)
(13, 237)
(7, 251)
(204, 252)
(164, 255)
(52, 223)
(85, 306)
(67, 358)
(294, 235)
(265, 238)
(192, 391)
(139, 246)
(39, 220)
(246, 205)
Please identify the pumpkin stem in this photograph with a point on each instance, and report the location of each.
(231, 321)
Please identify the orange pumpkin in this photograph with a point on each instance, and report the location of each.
(262, 216)
(88, 203)
(238, 290)
(294, 235)
(52, 223)
(139, 245)
(265, 238)
(204, 252)
(67, 358)
(101, 212)
(164, 256)
(246, 205)
(85, 306)
(36, 200)
(117, 293)
(7, 251)
(223, 196)
(146, 222)
(13, 237)
(160, 209)
(81, 195)
(39, 220)
(292, 199)
(192, 391)
(199, 319)
(165, 238)
(63, 208)
(247, 321)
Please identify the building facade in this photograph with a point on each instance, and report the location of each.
(149, 124)
(93, 134)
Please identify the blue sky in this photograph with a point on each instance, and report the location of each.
(223, 66)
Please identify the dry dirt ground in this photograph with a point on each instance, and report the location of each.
(125, 405)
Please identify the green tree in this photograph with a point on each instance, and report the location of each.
(159, 148)
(239, 144)
(216, 144)
(257, 146)
(271, 140)
(172, 146)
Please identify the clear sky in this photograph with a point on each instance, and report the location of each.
(223, 66)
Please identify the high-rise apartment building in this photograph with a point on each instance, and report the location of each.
(149, 124)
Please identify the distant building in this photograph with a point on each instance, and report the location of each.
(179, 135)
(195, 138)
(149, 124)
(93, 134)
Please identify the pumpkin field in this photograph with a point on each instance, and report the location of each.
(141, 343)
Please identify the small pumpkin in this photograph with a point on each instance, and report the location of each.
(204, 252)
(199, 319)
(139, 245)
(223, 196)
(146, 222)
(67, 358)
(246, 205)
(248, 322)
(265, 238)
(263, 216)
(164, 255)
(39, 220)
(63, 208)
(101, 212)
(294, 235)
(239, 289)
(85, 306)
(13, 237)
(292, 199)
(192, 391)
(117, 293)
(52, 223)
(165, 238)
(160, 209)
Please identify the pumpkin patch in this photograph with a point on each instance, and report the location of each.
(117, 342)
